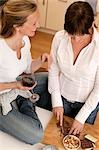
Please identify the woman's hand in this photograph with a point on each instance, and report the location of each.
(76, 128)
(21, 87)
(37, 63)
(45, 57)
(58, 112)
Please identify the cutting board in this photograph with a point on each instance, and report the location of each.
(53, 134)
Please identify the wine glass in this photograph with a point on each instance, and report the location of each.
(29, 80)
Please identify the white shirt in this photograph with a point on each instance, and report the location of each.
(10, 68)
(78, 82)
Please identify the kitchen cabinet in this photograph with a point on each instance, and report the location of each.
(55, 13)
(42, 5)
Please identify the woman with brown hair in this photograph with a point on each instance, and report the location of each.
(74, 72)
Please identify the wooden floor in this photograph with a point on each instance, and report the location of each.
(41, 43)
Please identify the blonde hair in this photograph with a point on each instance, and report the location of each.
(15, 12)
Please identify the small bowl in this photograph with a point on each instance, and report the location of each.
(71, 142)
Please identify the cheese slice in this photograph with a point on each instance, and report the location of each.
(91, 138)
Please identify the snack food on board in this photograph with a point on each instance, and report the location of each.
(71, 142)
(85, 143)
(65, 128)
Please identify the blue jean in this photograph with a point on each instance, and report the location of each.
(23, 123)
(71, 110)
(42, 90)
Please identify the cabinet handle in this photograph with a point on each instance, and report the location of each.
(63, 1)
(43, 2)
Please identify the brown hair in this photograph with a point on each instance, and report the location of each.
(15, 12)
(79, 18)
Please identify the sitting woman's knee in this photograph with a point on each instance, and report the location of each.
(34, 137)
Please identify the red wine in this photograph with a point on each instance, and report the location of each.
(28, 81)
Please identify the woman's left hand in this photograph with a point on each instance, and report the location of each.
(76, 128)
(45, 57)
(37, 63)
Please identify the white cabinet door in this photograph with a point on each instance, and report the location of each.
(97, 7)
(56, 12)
(42, 5)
